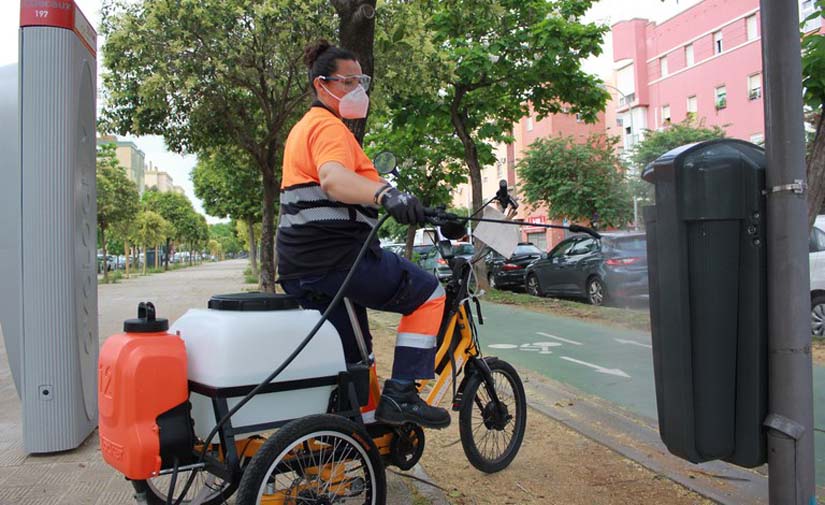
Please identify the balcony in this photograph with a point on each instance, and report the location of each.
(627, 100)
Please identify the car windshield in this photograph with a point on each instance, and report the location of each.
(422, 249)
(524, 250)
(464, 250)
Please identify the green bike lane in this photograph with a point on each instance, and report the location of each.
(611, 363)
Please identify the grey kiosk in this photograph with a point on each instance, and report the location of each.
(48, 292)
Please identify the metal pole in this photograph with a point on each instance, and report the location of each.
(629, 111)
(790, 388)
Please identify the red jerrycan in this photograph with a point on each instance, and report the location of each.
(143, 397)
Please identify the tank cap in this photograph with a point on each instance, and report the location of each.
(253, 302)
(146, 321)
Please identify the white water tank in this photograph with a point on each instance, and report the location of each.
(240, 344)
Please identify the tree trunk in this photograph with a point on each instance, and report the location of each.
(816, 172)
(356, 32)
(268, 231)
(253, 246)
(144, 259)
(157, 258)
(105, 255)
(127, 256)
(408, 247)
(457, 118)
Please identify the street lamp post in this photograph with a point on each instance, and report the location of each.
(629, 110)
(627, 146)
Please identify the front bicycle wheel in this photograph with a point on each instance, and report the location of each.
(316, 459)
(492, 432)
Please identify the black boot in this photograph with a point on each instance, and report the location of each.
(401, 404)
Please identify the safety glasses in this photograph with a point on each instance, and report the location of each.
(350, 81)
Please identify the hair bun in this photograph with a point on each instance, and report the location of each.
(314, 50)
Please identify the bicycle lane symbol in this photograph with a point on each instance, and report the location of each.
(537, 347)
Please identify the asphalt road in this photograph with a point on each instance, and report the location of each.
(608, 362)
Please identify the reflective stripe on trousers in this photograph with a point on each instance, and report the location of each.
(416, 339)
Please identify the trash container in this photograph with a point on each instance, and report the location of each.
(708, 305)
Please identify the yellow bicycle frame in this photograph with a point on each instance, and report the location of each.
(458, 331)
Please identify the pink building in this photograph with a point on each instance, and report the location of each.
(705, 61)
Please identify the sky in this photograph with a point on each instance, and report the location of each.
(179, 167)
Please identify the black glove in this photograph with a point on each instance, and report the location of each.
(404, 207)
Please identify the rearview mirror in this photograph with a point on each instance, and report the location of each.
(385, 162)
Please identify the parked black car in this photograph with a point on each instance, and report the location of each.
(613, 267)
(509, 273)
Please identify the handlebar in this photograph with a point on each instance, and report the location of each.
(439, 217)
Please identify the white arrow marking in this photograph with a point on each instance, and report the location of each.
(558, 338)
(502, 346)
(600, 369)
(632, 342)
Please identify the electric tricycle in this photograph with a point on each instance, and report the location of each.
(190, 416)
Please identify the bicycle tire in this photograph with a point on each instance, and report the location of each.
(316, 434)
(478, 418)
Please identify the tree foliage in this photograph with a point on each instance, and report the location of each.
(117, 197)
(497, 61)
(429, 166)
(229, 185)
(213, 73)
(225, 234)
(579, 181)
(150, 230)
(186, 225)
(813, 81)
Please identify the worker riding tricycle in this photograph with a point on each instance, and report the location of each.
(194, 413)
(308, 437)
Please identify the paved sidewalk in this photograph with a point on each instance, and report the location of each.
(80, 477)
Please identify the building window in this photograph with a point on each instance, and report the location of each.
(499, 169)
(750, 23)
(529, 123)
(692, 107)
(758, 139)
(666, 114)
(689, 55)
(806, 8)
(721, 95)
(717, 42)
(663, 65)
(754, 87)
(579, 118)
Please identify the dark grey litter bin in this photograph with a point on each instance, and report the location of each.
(707, 275)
